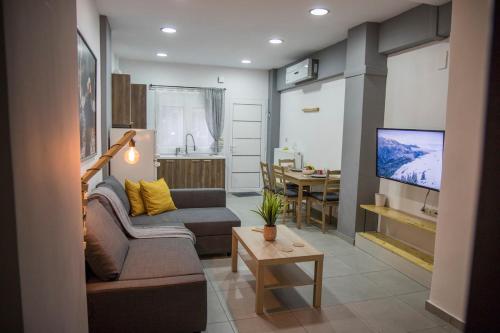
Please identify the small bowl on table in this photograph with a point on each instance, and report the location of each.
(308, 172)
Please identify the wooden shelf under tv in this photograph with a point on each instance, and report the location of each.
(402, 217)
(400, 249)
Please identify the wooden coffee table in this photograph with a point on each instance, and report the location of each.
(274, 268)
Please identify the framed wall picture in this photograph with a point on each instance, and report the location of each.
(87, 80)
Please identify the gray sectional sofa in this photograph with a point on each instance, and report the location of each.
(154, 285)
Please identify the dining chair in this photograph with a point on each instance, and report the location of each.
(266, 178)
(289, 195)
(289, 163)
(327, 199)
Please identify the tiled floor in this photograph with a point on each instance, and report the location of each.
(360, 293)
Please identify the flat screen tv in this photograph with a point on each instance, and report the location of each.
(412, 157)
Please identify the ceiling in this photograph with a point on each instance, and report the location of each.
(223, 32)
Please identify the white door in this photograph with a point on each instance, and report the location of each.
(247, 149)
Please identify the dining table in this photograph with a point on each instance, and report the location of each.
(301, 180)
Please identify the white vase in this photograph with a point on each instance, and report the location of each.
(380, 199)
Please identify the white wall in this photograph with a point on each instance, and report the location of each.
(469, 48)
(239, 83)
(88, 25)
(416, 94)
(317, 135)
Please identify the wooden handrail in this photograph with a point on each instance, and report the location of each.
(104, 159)
(96, 167)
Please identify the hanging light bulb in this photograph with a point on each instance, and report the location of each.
(131, 156)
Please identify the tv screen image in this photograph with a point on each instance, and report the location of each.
(412, 157)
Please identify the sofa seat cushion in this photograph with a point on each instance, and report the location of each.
(201, 221)
(160, 257)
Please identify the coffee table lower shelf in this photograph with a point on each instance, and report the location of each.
(278, 276)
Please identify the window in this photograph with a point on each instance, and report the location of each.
(179, 112)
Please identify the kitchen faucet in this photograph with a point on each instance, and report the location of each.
(194, 144)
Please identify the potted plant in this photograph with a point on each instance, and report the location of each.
(269, 211)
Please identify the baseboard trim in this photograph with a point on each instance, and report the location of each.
(453, 321)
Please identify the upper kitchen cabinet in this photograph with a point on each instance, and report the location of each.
(128, 102)
(138, 93)
(120, 84)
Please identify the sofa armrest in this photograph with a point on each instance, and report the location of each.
(168, 304)
(199, 197)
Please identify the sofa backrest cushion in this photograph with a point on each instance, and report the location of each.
(107, 246)
(112, 183)
(107, 205)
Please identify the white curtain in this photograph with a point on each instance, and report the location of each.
(180, 111)
(214, 113)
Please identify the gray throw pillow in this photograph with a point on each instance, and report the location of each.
(113, 184)
(107, 246)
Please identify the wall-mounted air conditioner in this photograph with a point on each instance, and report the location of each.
(305, 70)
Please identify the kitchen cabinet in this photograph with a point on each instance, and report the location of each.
(128, 103)
(138, 93)
(120, 100)
(193, 172)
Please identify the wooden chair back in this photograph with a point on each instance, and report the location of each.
(266, 177)
(332, 185)
(279, 178)
(287, 163)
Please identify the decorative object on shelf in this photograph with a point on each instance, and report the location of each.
(269, 211)
(87, 93)
(101, 162)
(310, 109)
(380, 199)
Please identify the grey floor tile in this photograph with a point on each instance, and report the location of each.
(339, 319)
(335, 291)
(281, 322)
(417, 302)
(331, 267)
(390, 315)
(215, 312)
(301, 297)
(394, 282)
(220, 275)
(363, 263)
(353, 288)
(219, 328)
(239, 303)
(444, 329)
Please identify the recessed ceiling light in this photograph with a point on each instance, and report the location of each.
(246, 61)
(319, 11)
(276, 41)
(169, 30)
(161, 54)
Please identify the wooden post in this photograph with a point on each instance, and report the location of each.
(104, 159)
(101, 162)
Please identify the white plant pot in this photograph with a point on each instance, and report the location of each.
(380, 199)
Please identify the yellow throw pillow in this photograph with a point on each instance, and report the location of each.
(133, 190)
(156, 196)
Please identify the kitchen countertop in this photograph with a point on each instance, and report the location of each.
(191, 157)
